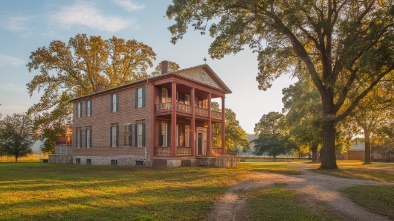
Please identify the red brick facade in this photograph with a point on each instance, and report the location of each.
(166, 128)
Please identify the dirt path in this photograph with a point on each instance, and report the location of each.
(316, 188)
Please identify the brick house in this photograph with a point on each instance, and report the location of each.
(164, 120)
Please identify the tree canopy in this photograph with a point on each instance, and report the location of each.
(346, 47)
(73, 69)
(16, 135)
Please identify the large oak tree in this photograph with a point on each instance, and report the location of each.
(73, 69)
(346, 46)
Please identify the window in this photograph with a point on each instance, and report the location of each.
(78, 137)
(114, 162)
(127, 135)
(88, 161)
(114, 135)
(114, 101)
(164, 134)
(140, 134)
(77, 160)
(187, 135)
(88, 138)
(187, 99)
(89, 108)
(164, 95)
(79, 110)
(140, 97)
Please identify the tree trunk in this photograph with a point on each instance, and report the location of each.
(328, 158)
(274, 158)
(314, 152)
(367, 157)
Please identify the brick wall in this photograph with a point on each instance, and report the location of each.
(102, 118)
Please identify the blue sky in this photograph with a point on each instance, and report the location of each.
(26, 25)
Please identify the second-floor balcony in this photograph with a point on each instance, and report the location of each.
(187, 109)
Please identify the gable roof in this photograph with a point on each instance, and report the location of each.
(219, 84)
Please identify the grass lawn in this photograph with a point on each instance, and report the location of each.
(377, 199)
(281, 204)
(383, 172)
(34, 191)
(273, 167)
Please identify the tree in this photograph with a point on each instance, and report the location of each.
(172, 66)
(273, 137)
(301, 103)
(236, 137)
(75, 69)
(16, 135)
(346, 47)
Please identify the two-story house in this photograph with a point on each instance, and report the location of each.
(164, 120)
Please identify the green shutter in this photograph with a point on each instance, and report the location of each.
(160, 135)
(143, 135)
(90, 140)
(117, 102)
(86, 138)
(143, 96)
(117, 136)
(110, 136)
(86, 108)
(136, 98)
(111, 103)
(80, 138)
(136, 135)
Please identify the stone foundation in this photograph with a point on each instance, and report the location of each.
(114, 160)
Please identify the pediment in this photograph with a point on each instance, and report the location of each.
(200, 75)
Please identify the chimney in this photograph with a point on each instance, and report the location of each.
(99, 87)
(164, 67)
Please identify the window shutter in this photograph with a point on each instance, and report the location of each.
(111, 103)
(136, 135)
(110, 136)
(143, 96)
(136, 98)
(86, 138)
(80, 138)
(86, 108)
(160, 135)
(117, 135)
(90, 140)
(168, 134)
(76, 138)
(143, 134)
(117, 102)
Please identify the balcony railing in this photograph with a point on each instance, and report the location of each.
(216, 115)
(166, 151)
(186, 108)
(184, 150)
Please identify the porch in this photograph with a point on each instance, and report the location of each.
(187, 151)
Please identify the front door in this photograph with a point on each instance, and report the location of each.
(200, 141)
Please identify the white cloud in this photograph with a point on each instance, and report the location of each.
(129, 5)
(10, 87)
(85, 14)
(16, 23)
(4, 59)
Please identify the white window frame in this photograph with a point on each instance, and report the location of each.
(164, 134)
(114, 136)
(187, 99)
(88, 135)
(164, 91)
(88, 108)
(139, 135)
(79, 109)
(140, 98)
(127, 134)
(114, 102)
(187, 136)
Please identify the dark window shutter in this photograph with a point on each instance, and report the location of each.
(160, 135)
(86, 108)
(117, 102)
(117, 136)
(143, 96)
(136, 135)
(90, 140)
(76, 138)
(130, 140)
(111, 103)
(168, 135)
(143, 135)
(136, 98)
(80, 138)
(86, 138)
(110, 136)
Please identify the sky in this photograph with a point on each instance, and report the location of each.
(26, 25)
